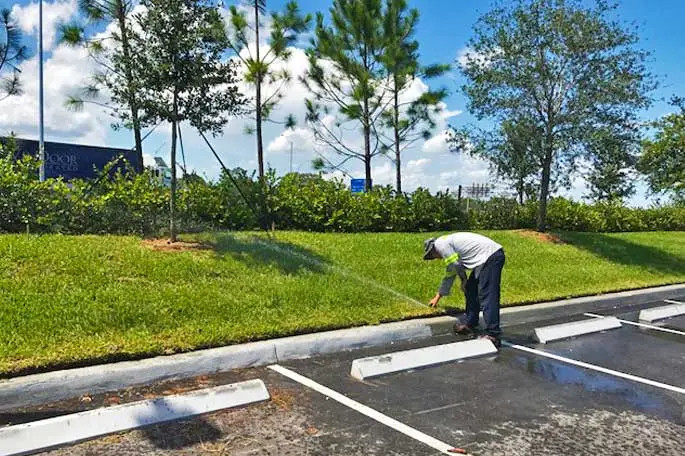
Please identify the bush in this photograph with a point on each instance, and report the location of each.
(122, 203)
(129, 203)
(565, 215)
(126, 203)
(311, 203)
(25, 202)
(669, 218)
(308, 202)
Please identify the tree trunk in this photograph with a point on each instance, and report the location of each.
(265, 222)
(367, 144)
(544, 189)
(172, 200)
(258, 101)
(398, 161)
(258, 132)
(398, 170)
(367, 156)
(520, 189)
(138, 139)
(132, 102)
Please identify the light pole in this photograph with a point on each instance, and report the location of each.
(41, 143)
(291, 156)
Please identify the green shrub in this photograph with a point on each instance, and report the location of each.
(125, 203)
(122, 203)
(25, 202)
(129, 203)
(310, 203)
(200, 205)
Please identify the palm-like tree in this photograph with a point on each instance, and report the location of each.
(12, 54)
(260, 69)
(118, 13)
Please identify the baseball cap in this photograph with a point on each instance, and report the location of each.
(428, 246)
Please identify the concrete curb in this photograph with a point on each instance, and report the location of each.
(37, 436)
(55, 386)
(563, 331)
(662, 313)
(548, 310)
(376, 366)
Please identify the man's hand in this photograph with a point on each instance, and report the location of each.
(434, 302)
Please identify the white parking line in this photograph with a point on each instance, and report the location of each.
(642, 325)
(594, 367)
(670, 301)
(365, 410)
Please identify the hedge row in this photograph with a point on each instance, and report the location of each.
(138, 204)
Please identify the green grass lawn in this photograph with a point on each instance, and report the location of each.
(67, 301)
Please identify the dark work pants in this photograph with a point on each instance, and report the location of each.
(484, 291)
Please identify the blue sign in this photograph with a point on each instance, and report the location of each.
(75, 161)
(358, 185)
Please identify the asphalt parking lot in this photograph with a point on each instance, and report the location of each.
(612, 393)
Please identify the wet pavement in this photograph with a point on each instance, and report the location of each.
(515, 403)
(675, 323)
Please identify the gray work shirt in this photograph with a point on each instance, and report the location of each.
(462, 251)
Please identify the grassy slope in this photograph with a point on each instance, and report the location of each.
(589, 263)
(66, 300)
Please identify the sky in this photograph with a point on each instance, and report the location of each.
(444, 29)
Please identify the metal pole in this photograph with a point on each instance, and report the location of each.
(41, 144)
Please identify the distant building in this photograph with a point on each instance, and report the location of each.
(76, 161)
(162, 171)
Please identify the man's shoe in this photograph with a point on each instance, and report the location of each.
(497, 342)
(464, 330)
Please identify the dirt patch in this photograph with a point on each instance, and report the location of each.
(543, 237)
(282, 398)
(163, 245)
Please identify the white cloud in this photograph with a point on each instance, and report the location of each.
(446, 114)
(463, 57)
(467, 57)
(54, 14)
(336, 175)
(300, 138)
(418, 164)
(67, 69)
(444, 172)
(383, 174)
(65, 72)
(414, 91)
(265, 22)
(437, 144)
(414, 174)
(464, 170)
(579, 186)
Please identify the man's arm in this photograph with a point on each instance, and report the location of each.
(453, 270)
